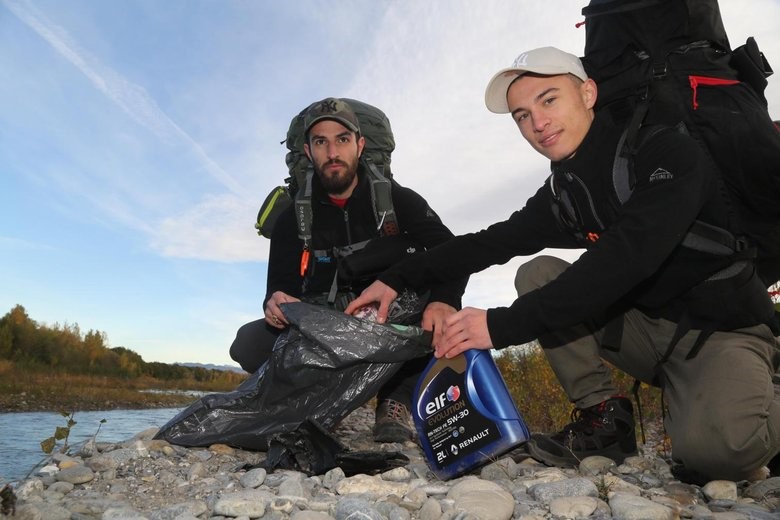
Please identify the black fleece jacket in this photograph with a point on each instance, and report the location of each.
(336, 227)
(635, 258)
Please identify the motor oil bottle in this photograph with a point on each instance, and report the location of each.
(464, 414)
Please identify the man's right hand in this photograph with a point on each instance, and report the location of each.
(273, 314)
(378, 292)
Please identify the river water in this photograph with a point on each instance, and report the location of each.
(21, 433)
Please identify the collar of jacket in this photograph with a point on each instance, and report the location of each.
(599, 144)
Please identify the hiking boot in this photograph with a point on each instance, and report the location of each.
(687, 476)
(606, 429)
(393, 423)
(774, 466)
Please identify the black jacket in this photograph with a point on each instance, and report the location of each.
(634, 257)
(334, 227)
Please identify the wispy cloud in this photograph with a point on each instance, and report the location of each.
(16, 244)
(218, 228)
(133, 99)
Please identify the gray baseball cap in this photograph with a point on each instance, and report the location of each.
(548, 61)
(333, 109)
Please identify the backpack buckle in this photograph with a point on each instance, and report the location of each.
(745, 247)
(659, 70)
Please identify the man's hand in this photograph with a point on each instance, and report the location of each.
(433, 319)
(376, 292)
(273, 314)
(464, 330)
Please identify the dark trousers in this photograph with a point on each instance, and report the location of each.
(255, 341)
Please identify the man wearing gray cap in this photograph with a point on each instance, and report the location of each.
(696, 323)
(342, 215)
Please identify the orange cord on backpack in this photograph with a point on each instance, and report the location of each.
(304, 261)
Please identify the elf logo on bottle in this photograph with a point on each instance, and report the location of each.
(450, 396)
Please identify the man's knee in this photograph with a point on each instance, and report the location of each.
(538, 272)
(728, 453)
(252, 345)
(239, 345)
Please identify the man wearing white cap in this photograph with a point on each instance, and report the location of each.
(694, 322)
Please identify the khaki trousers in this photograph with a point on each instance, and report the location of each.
(723, 413)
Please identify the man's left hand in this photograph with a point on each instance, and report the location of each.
(464, 330)
(433, 319)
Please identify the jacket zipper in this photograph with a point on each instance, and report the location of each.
(346, 225)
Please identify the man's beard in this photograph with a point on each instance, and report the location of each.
(336, 184)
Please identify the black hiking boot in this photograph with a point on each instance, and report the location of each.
(606, 429)
(393, 422)
(687, 476)
(774, 466)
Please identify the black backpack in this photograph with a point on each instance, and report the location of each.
(380, 143)
(668, 63)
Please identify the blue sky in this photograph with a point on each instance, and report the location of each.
(138, 137)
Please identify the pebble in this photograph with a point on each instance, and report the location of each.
(145, 479)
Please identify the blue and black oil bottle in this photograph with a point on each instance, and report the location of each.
(464, 414)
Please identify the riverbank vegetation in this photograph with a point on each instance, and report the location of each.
(59, 368)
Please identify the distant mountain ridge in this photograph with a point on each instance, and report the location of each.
(212, 366)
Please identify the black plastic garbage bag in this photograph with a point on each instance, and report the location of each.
(312, 450)
(326, 365)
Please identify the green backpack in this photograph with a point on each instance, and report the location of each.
(375, 128)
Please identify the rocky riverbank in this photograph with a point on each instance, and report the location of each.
(150, 479)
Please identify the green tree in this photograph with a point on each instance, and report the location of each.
(22, 331)
(130, 363)
(6, 341)
(71, 347)
(94, 347)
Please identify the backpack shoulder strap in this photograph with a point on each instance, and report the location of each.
(303, 212)
(629, 144)
(382, 199)
(623, 179)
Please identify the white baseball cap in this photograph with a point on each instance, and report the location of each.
(548, 61)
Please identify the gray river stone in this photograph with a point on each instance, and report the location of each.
(356, 509)
(247, 503)
(76, 475)
(632, 507)
(253, 478)
(572, 487)
(573, 507)
(482, 499)
(720, 490)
